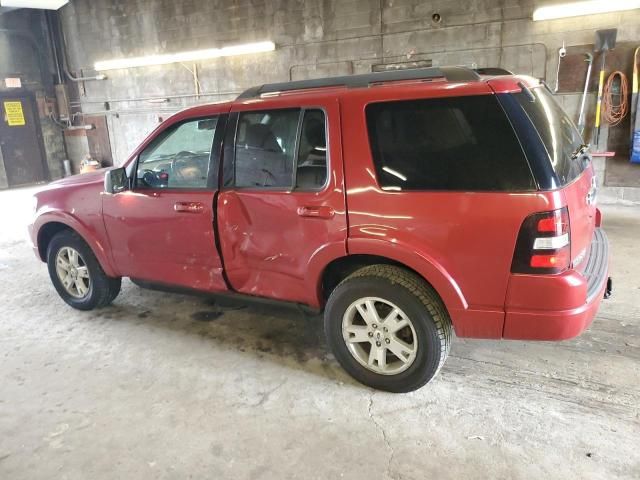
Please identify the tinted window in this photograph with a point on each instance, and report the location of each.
(265, 148)
(311, 172)
(178, 157)
(556, 130)
(459, 143)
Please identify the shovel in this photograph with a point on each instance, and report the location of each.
(605, 41)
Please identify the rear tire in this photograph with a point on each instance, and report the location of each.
(77, 275)
(388, 328)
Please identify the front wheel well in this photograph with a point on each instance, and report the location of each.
(46, 233)
(342, 267)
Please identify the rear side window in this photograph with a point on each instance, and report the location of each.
(281, 149)
(265, 148)
(458, 143)
(556, 130)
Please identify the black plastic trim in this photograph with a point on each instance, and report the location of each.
(597, 264)
(216, 152)
(241, 297)
(452, 74)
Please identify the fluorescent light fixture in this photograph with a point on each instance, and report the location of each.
(44, 4)
(589, 7)
(181, 57)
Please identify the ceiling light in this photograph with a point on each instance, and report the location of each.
(180, 57)
(589, 7)
(44, 4)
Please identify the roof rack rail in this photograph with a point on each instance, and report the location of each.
(496, 71)
(454, 74)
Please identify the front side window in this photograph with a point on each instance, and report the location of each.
(179, 157)
(457, 143)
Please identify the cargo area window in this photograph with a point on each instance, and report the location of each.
(281, 148)
(458, 143)
(559, 135)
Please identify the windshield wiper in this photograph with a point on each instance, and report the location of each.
(579, 151)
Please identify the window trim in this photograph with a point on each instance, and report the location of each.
(395, 190)
(229, 156)
(214, 155)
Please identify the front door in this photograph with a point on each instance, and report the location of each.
(20, 142)
(282, 208)
(161, 230)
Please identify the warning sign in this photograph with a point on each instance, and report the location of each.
(14, 114)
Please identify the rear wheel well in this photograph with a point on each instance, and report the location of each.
(342, 267)
(46, 233)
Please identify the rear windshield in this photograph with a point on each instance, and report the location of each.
(457, 143)
(556, 130)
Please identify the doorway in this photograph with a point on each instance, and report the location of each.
(21, 140)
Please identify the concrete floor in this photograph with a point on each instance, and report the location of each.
(169, 386)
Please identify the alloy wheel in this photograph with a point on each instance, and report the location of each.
(73, 272)
(379, 335)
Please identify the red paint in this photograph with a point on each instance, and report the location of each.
(277, 244)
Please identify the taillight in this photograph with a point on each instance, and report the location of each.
(544, 243)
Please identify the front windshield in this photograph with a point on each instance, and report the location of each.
(556, 130)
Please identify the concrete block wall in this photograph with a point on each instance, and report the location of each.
(313, 38)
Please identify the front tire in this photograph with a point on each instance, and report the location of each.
(77, 275)
(388, 328)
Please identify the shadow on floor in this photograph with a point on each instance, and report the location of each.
(287, 336)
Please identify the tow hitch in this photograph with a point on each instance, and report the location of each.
(609, 289)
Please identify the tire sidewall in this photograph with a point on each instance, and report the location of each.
(427, 360)
(98, 278)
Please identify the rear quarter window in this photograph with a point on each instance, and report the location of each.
(458, 143)
(557, 132)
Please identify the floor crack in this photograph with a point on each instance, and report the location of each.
(266, 395)
(384, 435)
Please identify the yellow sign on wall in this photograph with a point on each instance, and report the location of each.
(13, 114)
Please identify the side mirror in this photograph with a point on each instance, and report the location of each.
(116, 180)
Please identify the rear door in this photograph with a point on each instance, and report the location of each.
(281, 212)
(162, 229)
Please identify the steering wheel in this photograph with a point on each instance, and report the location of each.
(178, 158)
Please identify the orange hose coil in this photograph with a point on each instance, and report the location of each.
(613, 111)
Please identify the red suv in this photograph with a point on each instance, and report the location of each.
(406, 205)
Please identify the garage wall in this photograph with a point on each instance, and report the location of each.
(25, 53)
(313, 38)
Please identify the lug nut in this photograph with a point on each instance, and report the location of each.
(387, 341)
(374, 325)
(371, 334)
(385, 329)
(378, 344)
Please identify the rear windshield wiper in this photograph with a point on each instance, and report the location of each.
(579, 151)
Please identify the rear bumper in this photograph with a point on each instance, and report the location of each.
(558, 307)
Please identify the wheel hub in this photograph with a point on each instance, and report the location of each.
(379, 335)
(72, 272)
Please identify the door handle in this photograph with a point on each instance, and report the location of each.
(188, 207)
(323, 211)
